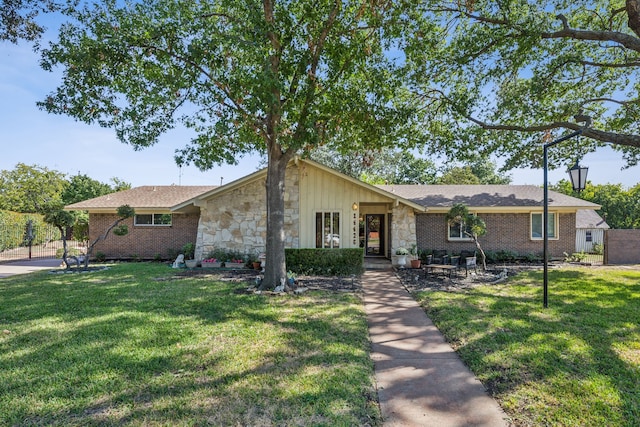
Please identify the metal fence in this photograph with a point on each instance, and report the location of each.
(43, 241)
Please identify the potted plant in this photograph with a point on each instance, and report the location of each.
(188, 250)
(255, 263)
(415, 259)
(210, 263)
(402, 254)
(235, 261)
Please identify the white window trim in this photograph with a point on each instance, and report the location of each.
(463, 238)
(556, 228)
(153, 214)
(332, 212)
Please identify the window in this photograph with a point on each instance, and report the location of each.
(457, 232)
(327, 229)
(152, 219)
(589, 236)
(536, 226)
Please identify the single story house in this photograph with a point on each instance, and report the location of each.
(156, 231)
(327, 209)
(589, 230)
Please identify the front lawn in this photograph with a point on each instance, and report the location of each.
(140, 345)
(576, 363)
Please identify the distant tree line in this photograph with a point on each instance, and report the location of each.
(37, 189)
(394, 166)
(620, 206)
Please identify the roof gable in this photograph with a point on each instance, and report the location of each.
(588, 218)
(263, 172)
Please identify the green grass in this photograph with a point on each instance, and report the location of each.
(576, 363)
(137, 345)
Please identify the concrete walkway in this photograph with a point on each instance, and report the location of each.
(28, 266)
(421, 380)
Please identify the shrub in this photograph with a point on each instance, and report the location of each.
(227, 255)
(13, 228)
(598, 248)
(70, 252)
(505, 255)
(328, 262)
(532, 257)
(575, 257)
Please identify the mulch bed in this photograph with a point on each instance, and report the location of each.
(418, 280)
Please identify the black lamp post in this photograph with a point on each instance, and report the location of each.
(578, 175)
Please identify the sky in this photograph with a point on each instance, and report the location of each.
(34, 137)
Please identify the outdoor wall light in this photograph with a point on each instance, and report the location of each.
(354, 206)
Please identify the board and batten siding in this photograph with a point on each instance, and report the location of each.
(321, 191)
(597, 236)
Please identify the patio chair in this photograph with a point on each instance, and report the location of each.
(468, 260)
(440, 256)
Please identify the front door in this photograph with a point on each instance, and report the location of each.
(374, 235)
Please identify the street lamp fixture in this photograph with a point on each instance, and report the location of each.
(578, 175)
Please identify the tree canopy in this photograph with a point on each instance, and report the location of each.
(513, 74)
(31, 189)
(37, 189)
(384, 166)
(280, 78)
(18, 18)
(620, 206)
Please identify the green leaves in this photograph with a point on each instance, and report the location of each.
(241, 75)
(515, 73)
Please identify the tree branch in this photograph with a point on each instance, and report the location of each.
(625, 40)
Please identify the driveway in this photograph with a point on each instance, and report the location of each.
(28, 266)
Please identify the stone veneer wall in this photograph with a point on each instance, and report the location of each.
(504, 232)
(403, 228)
(237, 219)
(143, 241)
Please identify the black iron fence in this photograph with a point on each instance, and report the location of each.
(33, 240)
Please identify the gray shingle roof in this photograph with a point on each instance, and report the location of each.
(483, 196)
(588, 218)
(148, 197)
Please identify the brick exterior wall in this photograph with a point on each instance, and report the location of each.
(504, 232)
(144, 242)
(622, 247)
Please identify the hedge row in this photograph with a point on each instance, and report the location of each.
(13, 230)
(339, 262)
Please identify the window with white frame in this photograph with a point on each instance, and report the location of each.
(589, 236)
(537, 225)
(152, 219)
(457, 232)
(327, 229)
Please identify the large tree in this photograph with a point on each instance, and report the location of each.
(31, 189)
(384, 166)
(512, 74)
(18, 18)
(276, 77)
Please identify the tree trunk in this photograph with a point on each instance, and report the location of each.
(275, 272)
(484, 257)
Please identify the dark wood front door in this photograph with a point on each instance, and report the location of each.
(374, 235)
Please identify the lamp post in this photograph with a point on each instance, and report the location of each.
(578, 175)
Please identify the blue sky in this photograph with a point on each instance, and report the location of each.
(34, 137)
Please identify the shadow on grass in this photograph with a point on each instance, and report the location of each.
(139, 344)
(572, 363)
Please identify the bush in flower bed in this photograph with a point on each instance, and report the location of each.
(325, 262)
